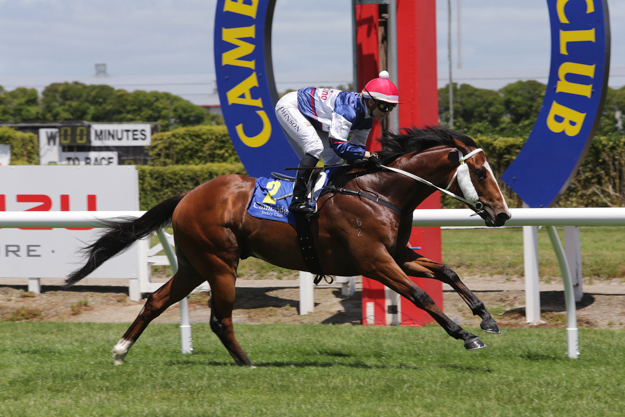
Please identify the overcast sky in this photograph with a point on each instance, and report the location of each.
(66, 38)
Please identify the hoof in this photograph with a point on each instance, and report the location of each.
(120, 351)
(490, 326)
(474, 343)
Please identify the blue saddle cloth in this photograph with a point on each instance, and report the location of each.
(268, 203)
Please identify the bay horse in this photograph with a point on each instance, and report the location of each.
(353, 235)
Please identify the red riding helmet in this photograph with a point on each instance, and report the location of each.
(381, 89)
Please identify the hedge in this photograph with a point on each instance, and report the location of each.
(24, 146)
(180, 157)
(159, 183)
(192, 146)
(599, 182)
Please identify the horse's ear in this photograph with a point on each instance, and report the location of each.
(454, 156)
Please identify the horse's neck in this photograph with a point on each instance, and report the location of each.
(405, 192)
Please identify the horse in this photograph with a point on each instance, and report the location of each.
(213, 231)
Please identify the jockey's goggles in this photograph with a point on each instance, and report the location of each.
(382, 105)
(385, 107)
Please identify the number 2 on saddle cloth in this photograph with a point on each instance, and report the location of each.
(272, 197)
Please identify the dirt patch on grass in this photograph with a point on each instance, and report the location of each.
(263, 301)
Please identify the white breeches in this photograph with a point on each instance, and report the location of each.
(311, 141)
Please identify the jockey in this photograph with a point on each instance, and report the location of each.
(321, 120)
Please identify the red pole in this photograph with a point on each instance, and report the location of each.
(418, 91)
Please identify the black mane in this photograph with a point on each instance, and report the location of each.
(418, 140)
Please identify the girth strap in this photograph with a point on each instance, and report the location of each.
(307, 247)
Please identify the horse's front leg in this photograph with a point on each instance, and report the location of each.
(416, 265)
(386, 271)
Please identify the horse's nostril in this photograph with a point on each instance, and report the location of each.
(502, 217)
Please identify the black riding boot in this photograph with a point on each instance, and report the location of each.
(300, 189)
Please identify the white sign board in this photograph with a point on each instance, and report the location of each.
(54, 253)
(5, 154)
(135, 134)
(89, 158)
(49, 147)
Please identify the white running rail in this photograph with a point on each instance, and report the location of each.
(452, 217)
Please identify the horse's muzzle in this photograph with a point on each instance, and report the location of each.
(495, 221)
(501, 218)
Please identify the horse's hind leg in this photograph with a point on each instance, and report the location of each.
(419, 266)
(221, 304)
(219, 269)
(178, 287)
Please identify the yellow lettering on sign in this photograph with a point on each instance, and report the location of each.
(243, 48)
(239, 7)
(564, 86)
(590, 7)
(567, 36)
(240, 94)
(571, 122)
(262, 137)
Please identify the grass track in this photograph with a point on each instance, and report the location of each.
(64, 369)
(500, 252)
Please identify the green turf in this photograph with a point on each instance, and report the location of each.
(500, 252)
(65, 369)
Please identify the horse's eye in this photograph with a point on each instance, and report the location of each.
(480, 173)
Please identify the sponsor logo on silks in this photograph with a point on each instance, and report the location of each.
(269, 200)
(247, 92)
(561, 137)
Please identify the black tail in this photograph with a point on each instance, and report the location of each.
(121, 234)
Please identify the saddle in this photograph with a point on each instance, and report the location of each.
(315, 186)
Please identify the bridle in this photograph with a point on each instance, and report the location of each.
(464, 181)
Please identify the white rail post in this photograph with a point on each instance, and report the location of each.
(571, 313)
(306, 293)
(348, 285)
(135, 287)
(185, 326)
(573, 250)
(34, 285)
(393, 307)
(532, 290)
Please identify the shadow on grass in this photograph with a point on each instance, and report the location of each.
(289, 364)
(540, 357)
(253, 298)
(75, 288)
(465, 368)
(553, 302)
(352, 309)
(250, 298)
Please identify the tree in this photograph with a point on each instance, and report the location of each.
(24, 105)
(523, 100)
(101, 103)
(62, 102)
(472, 106)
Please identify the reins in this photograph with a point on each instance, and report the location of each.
(464, 181)
(462, 175)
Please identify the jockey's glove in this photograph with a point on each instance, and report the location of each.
(373, 160)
